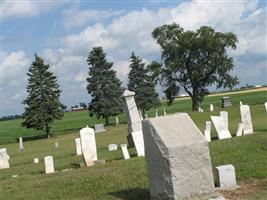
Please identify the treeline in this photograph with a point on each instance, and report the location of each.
(10, 117)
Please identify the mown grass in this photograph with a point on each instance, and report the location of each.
(125, 179)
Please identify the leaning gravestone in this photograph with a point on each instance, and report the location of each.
(177, 156)
(135, 135)
(239, 130)
(219, 124)
(21, 147)
(246, 119)
(225, 176)
(125, 151)
(78, 146)
(99, 128)
(226, 102)
(224, 115)
(207, 131)
(4, 159)
(49, 164)
(88, 144)
(164, 111)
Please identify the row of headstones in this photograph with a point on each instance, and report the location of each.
(221, 124)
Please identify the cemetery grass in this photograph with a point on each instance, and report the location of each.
(127, 179)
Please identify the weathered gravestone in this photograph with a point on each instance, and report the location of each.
(265, 104)
(164, 111)
(239, 130)
(225, 176)
(112, 147)
(246, 119)
(88, 144)
(226, 102)
(49, 164)
(78, 146)
(135, 134)
(207, 131)
(21, 147)
(117, 121)
(125, 151)
(156, 114)
(224, 115)
(99, 128)
(211, 108)
(177, 156)
(219, 124)
(4, 159)
(56, 145)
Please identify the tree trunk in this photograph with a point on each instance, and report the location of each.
(195, 102)
(106, 121)
(47, 131)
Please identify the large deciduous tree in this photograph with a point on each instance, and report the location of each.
(42, 103)
(195, 60)
(103, 86)
(141, 81)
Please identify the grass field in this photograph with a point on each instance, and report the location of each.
(120, 179)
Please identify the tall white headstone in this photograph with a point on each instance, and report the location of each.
(246, 119)
(117, 120)
(164, 111)
(211, 108)
(88, 144)
(21, 147)
(265, 104)
(219, 125)
(125, 151)
(134, 123)
(156, 115)
(239, 130)
(78, 146)
(207, 131)
(49, 164)
(4, 159)
(224, 115)
(240, 102)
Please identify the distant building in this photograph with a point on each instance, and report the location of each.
(76, 109)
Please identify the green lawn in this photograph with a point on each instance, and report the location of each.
(118, 178)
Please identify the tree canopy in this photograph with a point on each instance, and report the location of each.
(103, 86)
(195, 60)
(141, 81)
(42, 103)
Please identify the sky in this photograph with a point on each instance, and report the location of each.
(64, 32)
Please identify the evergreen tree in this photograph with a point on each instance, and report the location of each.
(42, 104)
(141, 81)
(103, 86)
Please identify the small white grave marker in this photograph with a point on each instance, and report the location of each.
(246, 119)
(49, 164)
(211, 108)
(99, 128)
(226, 176)
(240, 102)
(4, 159)
(112, 147)
(78, 146)
(21, 147)
(56, 145)
(125, 151)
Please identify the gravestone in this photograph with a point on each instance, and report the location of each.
(246, 119)
(125, 151)
(135, 134)
(224, 115)
(164, 111)
(36, 160)
(116, 120)
(21, 147)
(219, 125)
(56, 145)
(225, 176)
(200, 110)
(112, 147)
(207, 131)
(88, 145)
(99, 128)
(226, 102)
(156, 115)
(265, 104)
(140, 114)
(240, 102)
(49, 164)
(211, 108)
(78, 146)
(177, 156)
(4, 159)
(239, 130)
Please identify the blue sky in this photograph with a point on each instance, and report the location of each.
(63, 33)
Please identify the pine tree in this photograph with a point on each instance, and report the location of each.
(103, 86)
(142, 83)
(42, 104)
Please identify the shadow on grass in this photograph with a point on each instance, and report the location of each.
(75, 165)
(132, 194)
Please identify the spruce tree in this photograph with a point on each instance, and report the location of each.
(103, 86)
(42, 103)
(142, 83)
